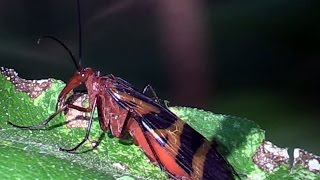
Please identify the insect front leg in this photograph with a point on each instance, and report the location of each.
(60, 110)
(51, 117)
(43, 123)
(86, 137)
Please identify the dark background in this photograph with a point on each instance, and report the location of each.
(254, 59)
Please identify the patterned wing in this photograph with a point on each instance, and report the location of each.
(199, 158)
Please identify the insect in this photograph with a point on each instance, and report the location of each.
(167, 141)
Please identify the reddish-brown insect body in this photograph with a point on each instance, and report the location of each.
(167, 141)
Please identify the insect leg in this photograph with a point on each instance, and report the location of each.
(86, 137)
(46, 121)
(43, 123)
(148, 88)
(154, 96)
(79, 108)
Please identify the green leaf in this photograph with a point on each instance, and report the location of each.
(35, 154)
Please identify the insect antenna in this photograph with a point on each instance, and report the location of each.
(64, 46)
(80, 33)
(76, 63)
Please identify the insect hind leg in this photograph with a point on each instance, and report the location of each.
(150, 92)
(149, 89)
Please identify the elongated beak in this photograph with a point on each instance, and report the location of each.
(80, 77)
(74, 82)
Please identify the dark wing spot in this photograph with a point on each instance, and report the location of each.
(190, 141)
(216, 166)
